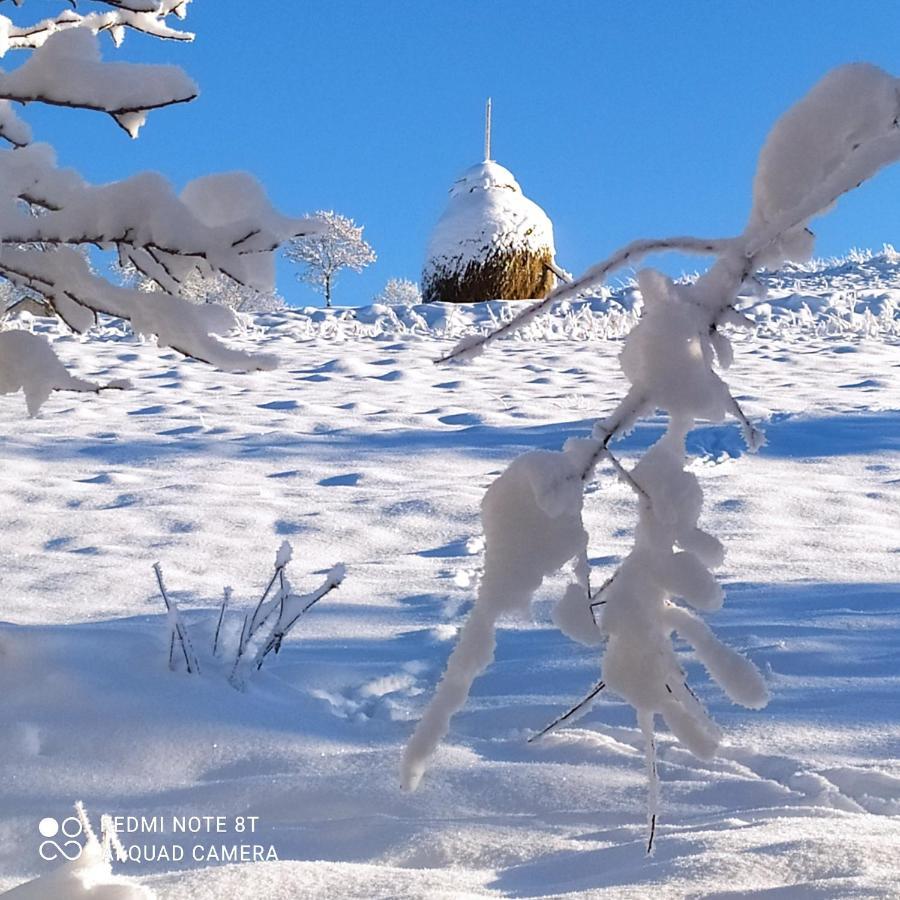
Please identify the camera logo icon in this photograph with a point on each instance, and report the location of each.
(60, 838)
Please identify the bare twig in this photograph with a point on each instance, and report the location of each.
(578, 709)
(190, 659)
(225, 600)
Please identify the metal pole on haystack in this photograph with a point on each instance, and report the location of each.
(487, 130)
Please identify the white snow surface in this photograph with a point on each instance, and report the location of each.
(359, 449)
(856, 295)
(487, 214)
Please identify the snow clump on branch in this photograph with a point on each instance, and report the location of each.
(839, 135)
(218, 226)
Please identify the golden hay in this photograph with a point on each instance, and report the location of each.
(521, 275)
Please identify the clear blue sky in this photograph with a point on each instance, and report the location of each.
(623, 120)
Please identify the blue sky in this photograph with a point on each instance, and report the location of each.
(623, 120)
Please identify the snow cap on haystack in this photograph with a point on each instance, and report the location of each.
(492, 242)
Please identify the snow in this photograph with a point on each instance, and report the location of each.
(359, 448)
(87, 877)
(853, 296)
(487, 214)
(66, 70)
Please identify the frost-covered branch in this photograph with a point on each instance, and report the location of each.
(839, 135)
(177, 628)
(276, 613)
(219, 230)
(630, 254)
(152, 20)
(67, 70)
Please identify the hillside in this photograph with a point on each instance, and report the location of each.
(359, 450)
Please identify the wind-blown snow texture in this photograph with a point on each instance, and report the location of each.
(361, 449)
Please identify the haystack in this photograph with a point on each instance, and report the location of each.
(492, 242)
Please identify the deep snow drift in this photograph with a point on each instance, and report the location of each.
(358, 449)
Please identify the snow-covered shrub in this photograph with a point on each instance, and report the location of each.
(323, 255)
(220, 225)
(242, 650)
(399, 292)
(839, 135)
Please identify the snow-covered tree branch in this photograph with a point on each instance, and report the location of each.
(839, 135)
(219, 226)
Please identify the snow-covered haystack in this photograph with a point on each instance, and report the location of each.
(492, 242)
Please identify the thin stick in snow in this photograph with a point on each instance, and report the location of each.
(581, 707)
(225, 600)
(281, 629)
(190, 659)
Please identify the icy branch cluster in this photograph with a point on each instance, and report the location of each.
(839, 135)
(218, 226)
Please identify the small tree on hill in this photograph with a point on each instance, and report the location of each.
(339, 245)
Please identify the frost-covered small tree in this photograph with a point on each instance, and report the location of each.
(840, 134)
(322, 256)
(399, 292)
(221, 289)
(218, 288)
(219, 225)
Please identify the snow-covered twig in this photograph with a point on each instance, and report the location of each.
(275, 615)
(839, 135)
(177, 627)
(226, 598)
(299, 606)
(630, 254)
(262, 632)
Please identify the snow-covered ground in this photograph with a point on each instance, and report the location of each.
(358, 449)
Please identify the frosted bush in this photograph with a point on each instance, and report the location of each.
(399, 292)
(243, 650)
